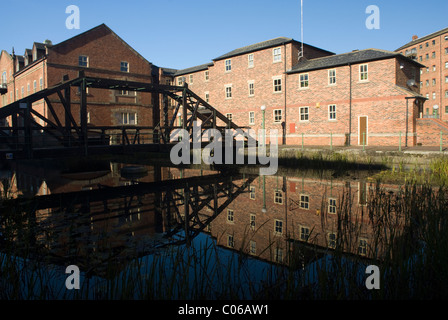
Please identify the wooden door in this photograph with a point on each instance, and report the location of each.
(362, 130)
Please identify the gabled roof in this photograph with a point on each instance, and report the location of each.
(423, 39)
(101, 26)
(39, 46)
(353, 57)
(193, 69)
(263, 45)
(168, 71)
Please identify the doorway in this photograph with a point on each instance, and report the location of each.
(362, 130)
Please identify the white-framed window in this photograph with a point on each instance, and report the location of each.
(229, 116)
(363, 72)
(191, 79)
(332, 76)
(304, 113)
(332, 112)
(23, 92)
(28, 88)
(207, 75)
(446, 65)
(127, 118)
(83, 61)
(228, 64)
(228, 90)
(125, 93)
(332, 205)
(278, 115)
(251, 87)
(251, 117)
(277, 84)
(34, 86)
(230, 216)
(124, 66)
(304, 201)
(304, 81)
(433, 96)
(278, 197)
(250, 60)
(277, 54)
(278, 226)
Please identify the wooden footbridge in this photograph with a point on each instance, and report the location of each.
(34, 135)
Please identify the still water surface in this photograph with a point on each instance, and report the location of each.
(163, 232)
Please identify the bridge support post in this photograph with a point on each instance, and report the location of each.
(26, 107)
(83, 115)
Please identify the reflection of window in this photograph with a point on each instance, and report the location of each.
(252, 192)
(304, 201)
(252, 221)
(362, 193)
(278, 255)
(129, 118)
(230, 215)
(362, 248)
(332, 205)
(278, 226)
(304, 233)
(253, 247)
(331, 240)
(278, 197)
(230, 242)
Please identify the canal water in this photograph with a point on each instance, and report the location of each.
(161, 232)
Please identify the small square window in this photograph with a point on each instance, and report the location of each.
(278, 115)
(304, 201)
(124, 66)
(83, 61)
(304, 113)
(304, 80)
(278, 197)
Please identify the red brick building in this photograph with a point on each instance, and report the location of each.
(431, 51)
(369, 96)
(99, 52)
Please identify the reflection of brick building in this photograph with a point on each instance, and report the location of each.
(278, 211)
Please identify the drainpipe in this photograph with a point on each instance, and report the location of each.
(350, 108)
(284, 107)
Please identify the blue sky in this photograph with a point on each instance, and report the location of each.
(180, 33)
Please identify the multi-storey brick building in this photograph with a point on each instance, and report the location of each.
(432, 52)
(363, 97)
(99, 52)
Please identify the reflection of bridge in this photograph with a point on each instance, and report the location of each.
(175, 205)
(59, 133)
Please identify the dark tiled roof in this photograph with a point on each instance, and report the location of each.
(255, 47)
(422, 39)
(39, 46)
(345, 59)
(169, 71)
(193, 69)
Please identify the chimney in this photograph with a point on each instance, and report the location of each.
(414, 37)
